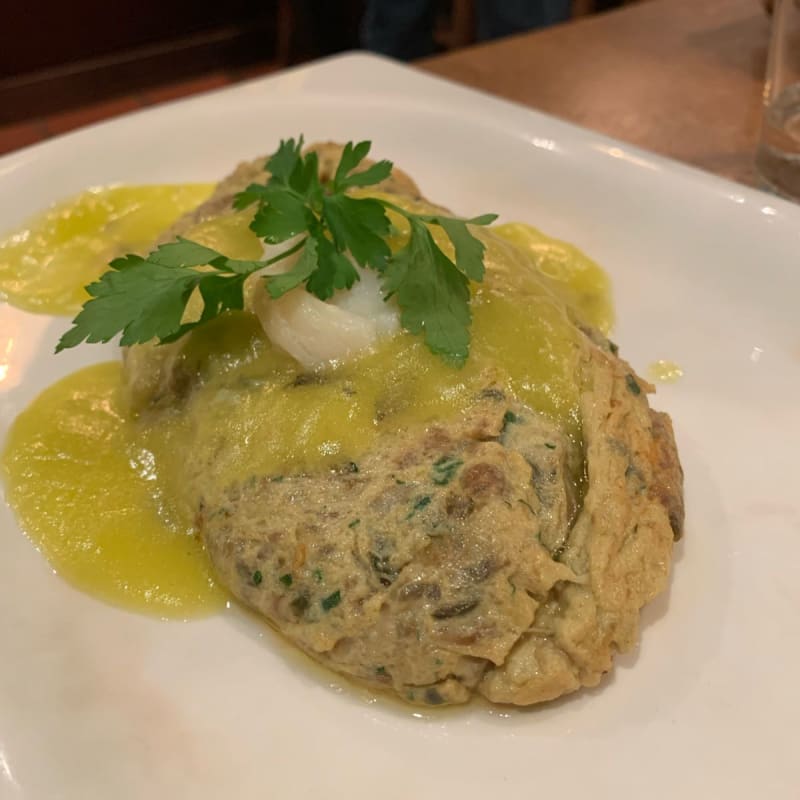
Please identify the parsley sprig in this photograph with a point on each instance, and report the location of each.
(145, 298)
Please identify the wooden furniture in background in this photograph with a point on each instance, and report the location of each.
(56, 55)
(681, 77)
(459, 28)
(582, 7)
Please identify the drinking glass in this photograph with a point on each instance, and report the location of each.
(778, 153)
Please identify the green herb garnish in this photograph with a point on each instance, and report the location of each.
(444, 469)
(419, 504)
(509, 418)
(286, 580)
(145, 298)
(257, 577)
(633, 386)
(331, 601)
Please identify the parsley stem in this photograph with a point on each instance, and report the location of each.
(393, 207)
(285, 254)
(429, 219)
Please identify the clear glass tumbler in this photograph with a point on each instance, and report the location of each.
(778, 153)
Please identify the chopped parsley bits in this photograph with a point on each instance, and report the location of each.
(257, 578)
(331, 601)
(509, 418)
(633, 386)
(444, 470)
(353, 523)
(419, 504)
(286, 580)
(549, 445)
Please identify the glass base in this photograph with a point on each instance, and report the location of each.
(780, 171)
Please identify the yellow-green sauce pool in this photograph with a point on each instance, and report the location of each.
(100, 492)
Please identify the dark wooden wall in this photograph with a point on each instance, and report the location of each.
(42, 34)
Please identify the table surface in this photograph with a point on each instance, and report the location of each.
(682, 78)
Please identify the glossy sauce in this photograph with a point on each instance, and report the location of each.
(85, 494)
(580, 282)
(254, 411)
(45, 264)
(665, 371)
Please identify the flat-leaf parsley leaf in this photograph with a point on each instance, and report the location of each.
(145, 298)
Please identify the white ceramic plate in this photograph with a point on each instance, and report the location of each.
(99, 703)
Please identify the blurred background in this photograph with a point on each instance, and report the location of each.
(63, 65)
